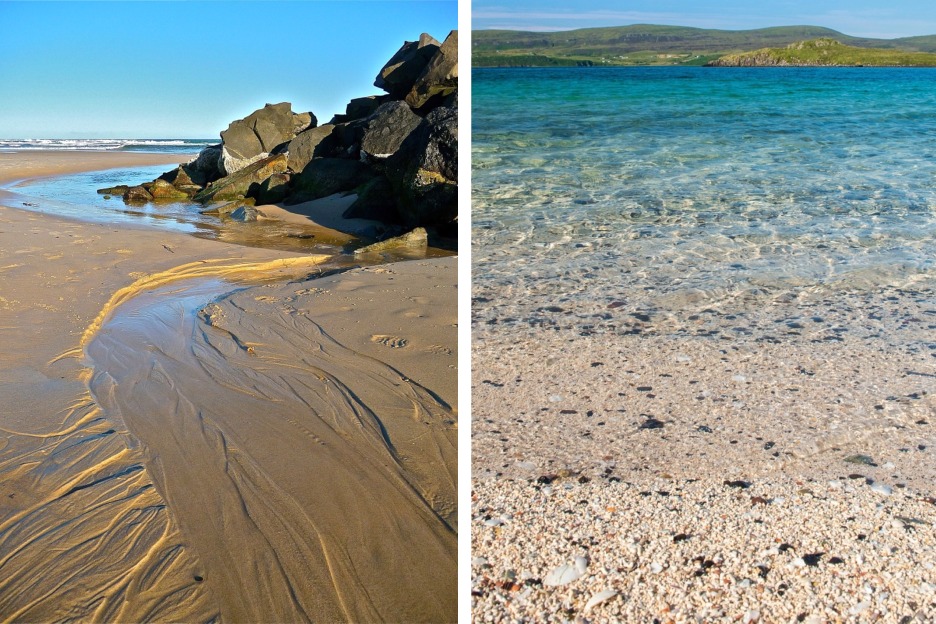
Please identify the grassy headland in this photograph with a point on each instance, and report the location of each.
(825, 52)
(647, 44)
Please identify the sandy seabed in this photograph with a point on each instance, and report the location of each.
(199, 431)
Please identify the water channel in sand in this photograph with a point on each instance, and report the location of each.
(233, 460)
(296, 449)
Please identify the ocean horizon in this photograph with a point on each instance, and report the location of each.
(164, 145)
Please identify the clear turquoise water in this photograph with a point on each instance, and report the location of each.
(682, 188)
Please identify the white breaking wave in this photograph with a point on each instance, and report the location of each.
(103, 144)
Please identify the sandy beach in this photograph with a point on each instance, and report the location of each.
(200, 431)
(706, 477)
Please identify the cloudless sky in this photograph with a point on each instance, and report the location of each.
(885, 19)
(187, 69)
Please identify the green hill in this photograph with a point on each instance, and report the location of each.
(824, 53)
(647, 44)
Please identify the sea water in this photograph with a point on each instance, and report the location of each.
(75, 196)
(165, 146)
(671, 191)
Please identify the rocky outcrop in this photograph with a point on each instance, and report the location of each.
(255, 136)
(440, 76)
(424, 172)
(397, 152)
(399, 75)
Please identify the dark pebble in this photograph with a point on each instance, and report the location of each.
(769, 445)
(547, 479)
(836, 560)
(652, 423)
(680, 537)
(198, 579)
(865, 460)
(615, 304)
(738, 484)
(855, 475)
(785, 547)
(812, 559)
(568, 411)
(644, 388)
(704, 429)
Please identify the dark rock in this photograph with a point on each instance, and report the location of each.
(255, 136)
(348, 138)
(186, 176)
(137, 195)
(652, 423)
(245, 214)
(120, 189)
(302, 122)
(313, 143)
(326, 176)
(424, 171)
(375, 201)
(224, 209)
(387, 128)
(160, 189)
(738, 484)
(272, 190)
(358, 108)
(399, 75)
(208, 163)
(236, 185)
(440, 76)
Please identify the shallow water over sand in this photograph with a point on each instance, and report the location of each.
(677, 190)
(740, 259)
(75, 196)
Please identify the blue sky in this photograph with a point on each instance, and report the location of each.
(866, 18)
(187, 69)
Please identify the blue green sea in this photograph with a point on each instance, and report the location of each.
(670, 191)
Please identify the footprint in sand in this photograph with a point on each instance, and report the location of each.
(394, 342)
(440, 349)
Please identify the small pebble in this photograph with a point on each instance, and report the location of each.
(882, 488)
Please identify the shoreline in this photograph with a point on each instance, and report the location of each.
(90, 513)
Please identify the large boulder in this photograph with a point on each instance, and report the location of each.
(326, 176)
(386, 130)
(208, 163)
(399, 75)
(313, 143)
(424, 171)
(237, 184)
(255, 136)
(359, 108)
(440, 76)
